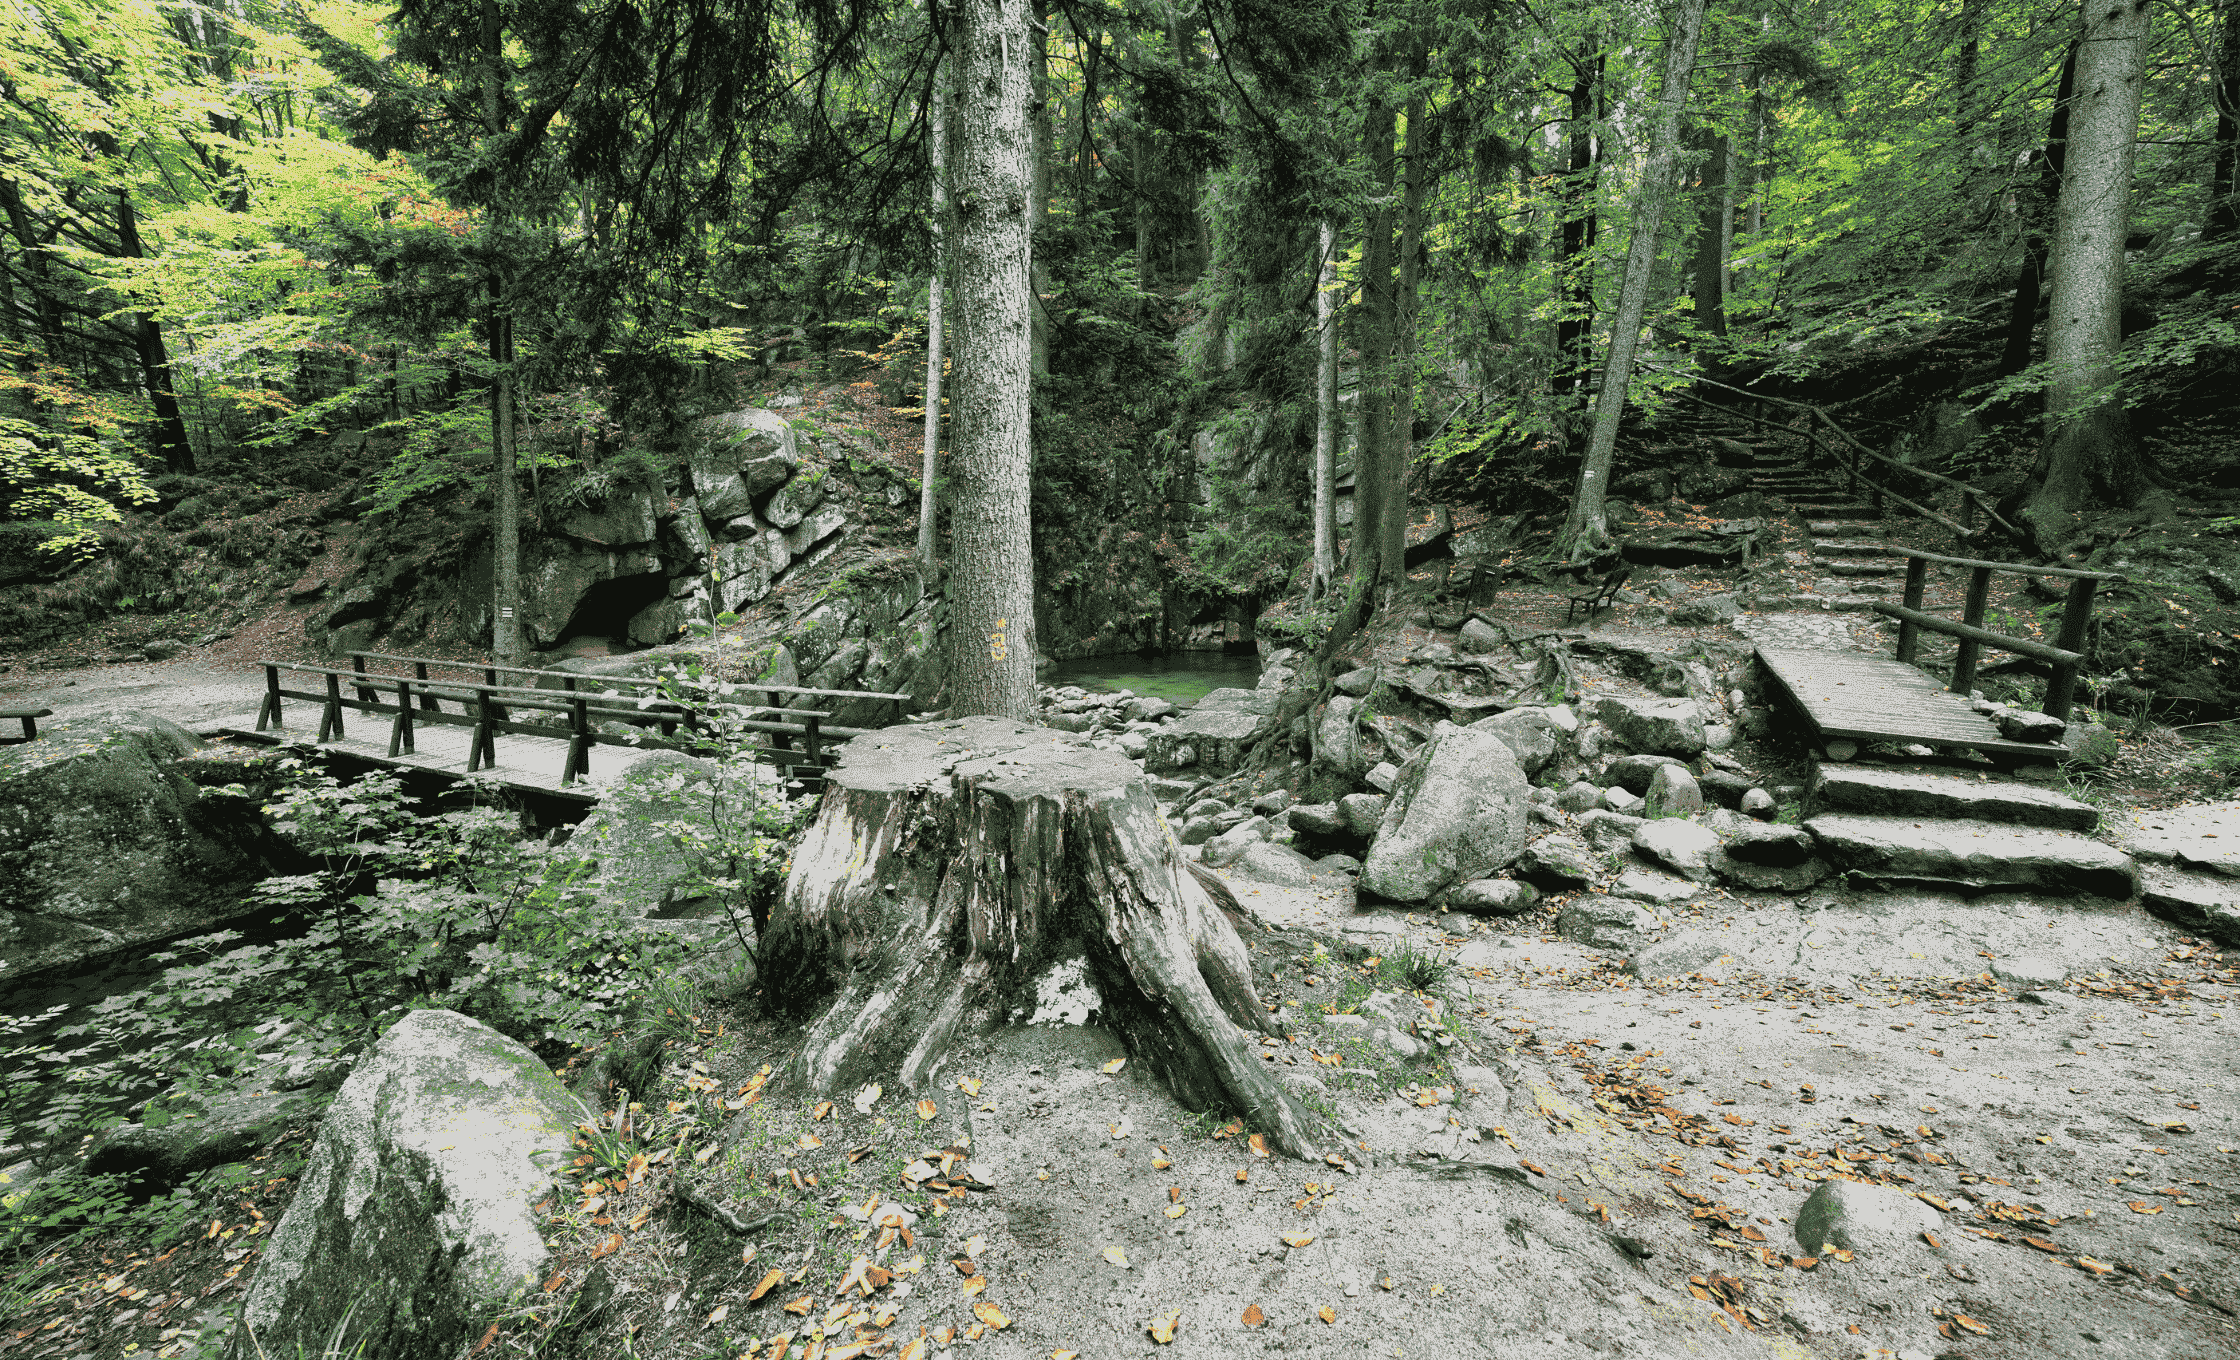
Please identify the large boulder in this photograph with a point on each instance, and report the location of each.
(1606, 923)
(416, 1220)
(1858, 1216)
(105, 845)
(194, 1139)
(1665, 727)
(1457, 813)
(738, 457)
(1682, 846)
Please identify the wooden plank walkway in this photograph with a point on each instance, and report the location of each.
(1871, 698)
(524, 763)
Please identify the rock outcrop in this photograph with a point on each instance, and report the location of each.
(105, 845)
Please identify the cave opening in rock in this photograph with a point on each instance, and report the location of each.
(605, 610)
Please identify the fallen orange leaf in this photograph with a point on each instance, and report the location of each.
(1297, 1239)
(1328, 1314)
(975, 1285)
(969, 1085)
(916, 1350)
(992, 1315)
(1253, 1317)
(823, 1110)
(800, 1307)
(1114, 1066)
(1259, 1143)
(1116, 1257)
(1177, 1210)
(1963, 1320)
(765, 1285)
(927, 1109)
(2140, 1206)
(1242, 1177)
(1162, 1327)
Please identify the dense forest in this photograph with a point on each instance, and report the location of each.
(481, 261)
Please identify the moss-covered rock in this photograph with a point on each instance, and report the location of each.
(105, 845)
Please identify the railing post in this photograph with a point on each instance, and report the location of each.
(579, 735)
(2076, 615)
(400, 731)
(1909, 634)
(427, 696)
(268, 712)
(366, 693)
(810, 740)
(1964, 665)
(330, 720)
(482, 746)
(780, 740)
(490, 677)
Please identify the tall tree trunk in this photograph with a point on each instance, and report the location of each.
(1586, 531)
(2224, 170)
(1325, 416)
(505, 494)
(937, 133)
(1575, 330)
(1715, 202)
(991, 583)
(167, 432)
(36, 265)
(2035, 204)
(2090, 457)
(1038, 213)
(1375, 479)
(1415, 180)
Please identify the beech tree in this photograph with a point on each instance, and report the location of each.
(1586, 531)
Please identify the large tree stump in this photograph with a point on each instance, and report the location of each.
(954, 865)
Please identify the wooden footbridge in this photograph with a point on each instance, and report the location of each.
(1856, 697)
(558, 733)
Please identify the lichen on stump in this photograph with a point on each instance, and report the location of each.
(953, 865)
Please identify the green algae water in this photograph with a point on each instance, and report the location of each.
(1181, 678)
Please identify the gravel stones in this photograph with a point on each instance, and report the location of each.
(1557, 862)
(1684, 847)
(1606, 923)
(1493, 897)
(1673, 790)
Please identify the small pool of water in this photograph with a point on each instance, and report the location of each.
(1178, 677)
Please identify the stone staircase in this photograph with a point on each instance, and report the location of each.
(1891, 826)
(1841, 528)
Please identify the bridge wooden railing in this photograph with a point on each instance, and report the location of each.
(488, 707)
(2063, 655)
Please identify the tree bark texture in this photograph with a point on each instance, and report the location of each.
(505, 496)
(954, 865)
(2224, 170)
(167, 433)
(1575, 330)
(1586, 531)
(1325, 417)
(1038, 214)
(937, 135)
(2035, 205)
(2090, 455)
(1714, 238)
(1375, 479)
(991, 580)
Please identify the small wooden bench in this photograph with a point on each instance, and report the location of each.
(1604, 594)
(30, 717)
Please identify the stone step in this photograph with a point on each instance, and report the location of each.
(1972, 854)
(1838, 547)
(1852, 566)
(2206, 904)
(1904, 793)
(1837, 512)
(1828, 528)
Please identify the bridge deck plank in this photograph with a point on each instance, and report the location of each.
(1871, 698)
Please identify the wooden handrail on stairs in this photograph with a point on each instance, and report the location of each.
(1970, 499)
(2064, 655)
